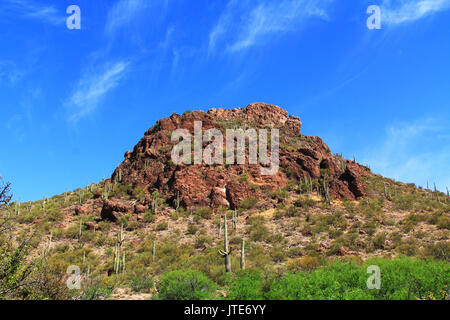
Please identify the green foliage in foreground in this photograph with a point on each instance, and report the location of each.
(401, 279)
(185, 285)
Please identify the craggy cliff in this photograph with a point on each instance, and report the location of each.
(302, 158)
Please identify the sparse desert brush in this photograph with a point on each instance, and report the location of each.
(304, 202)
(248, 203)
(378, 240)
(192, 229)
(161, 226)
(303, 263)
(444, 222)
(204, 212)
(404, 201)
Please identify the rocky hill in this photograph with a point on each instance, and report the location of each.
(155, 215)
(302, 158)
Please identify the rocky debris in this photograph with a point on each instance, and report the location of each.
(139, 208)
(236, 192)
(90, 225)
(82, 209)
(113, 209)
(150, 167)
(345, 252)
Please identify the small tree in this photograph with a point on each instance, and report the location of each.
(21, 277)
(5, 193)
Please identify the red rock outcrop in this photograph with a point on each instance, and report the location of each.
(150, 167)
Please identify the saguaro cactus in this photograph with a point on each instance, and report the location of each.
(226, 253)
(119, 256)
(243, 254)
(234, 220)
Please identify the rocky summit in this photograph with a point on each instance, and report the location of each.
(308, 159)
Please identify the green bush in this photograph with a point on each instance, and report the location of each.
(248, 203)
(185, 285)
(304, 202)
(142, 284)
(204, 212)
(246, 285)
(401, 279)
(163, 225)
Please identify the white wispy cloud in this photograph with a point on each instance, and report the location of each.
(398, 12)
(124, 12)
(413, 152)
(30, 9)
(92, 87)
(10, 72)
(244, 24)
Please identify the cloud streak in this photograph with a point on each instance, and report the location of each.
(411, 10)
(244, 24)
(92, 87)
(413, 152)
(28, 9)
(124, 12)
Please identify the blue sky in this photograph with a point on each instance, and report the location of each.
(74, 101)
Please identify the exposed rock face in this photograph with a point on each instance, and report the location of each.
(149, 165)
(113, 209)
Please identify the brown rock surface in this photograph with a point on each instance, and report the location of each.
(113, 209)
(149, 165)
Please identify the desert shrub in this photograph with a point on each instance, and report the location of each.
(277, 254)
(281, 194)
(141, 284)
(408, 249)
(294, 252)
(257, 257)
(333, 233)
(378, 240)
(370, 227)
(444, 222)
(96, 291)
(404, 201)
(204, 212)
(192, 229)
(201, 241)
(292, 211)
(175, 216)
(248, 203)
(236, 240)
(303, 263)
(304, 202)
(277, 238)
(349, 206)
(246, 285)
(163, 225)
(243, 177)
(402, 278)
(370, 207)
(258, 231)
(185, 285)
(439, 250)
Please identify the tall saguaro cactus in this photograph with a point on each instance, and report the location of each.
(119, 259)
(243, 254)
(226, 253)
